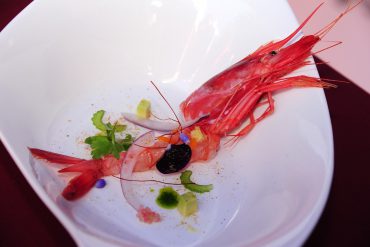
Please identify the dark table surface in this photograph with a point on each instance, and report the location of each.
(26, 221)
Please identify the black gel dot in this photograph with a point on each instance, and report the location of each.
(174, 159)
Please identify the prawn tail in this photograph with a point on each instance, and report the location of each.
(81, 184)
(83, 166)
(89, 172)
(54, 157)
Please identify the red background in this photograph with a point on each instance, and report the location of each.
(25, 221)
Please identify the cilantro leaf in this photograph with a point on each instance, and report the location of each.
(97, 120)
(100, 146)
(115, 150)
(105, 142)
(126, 143)
(109, 126)
(120, 128)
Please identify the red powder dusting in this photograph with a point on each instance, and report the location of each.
(147, 215)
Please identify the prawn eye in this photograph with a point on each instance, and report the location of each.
(273, 53)
(174, 159)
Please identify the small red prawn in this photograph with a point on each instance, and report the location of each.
(229, 99)
(90, 170)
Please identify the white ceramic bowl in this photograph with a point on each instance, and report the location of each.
(60, 61)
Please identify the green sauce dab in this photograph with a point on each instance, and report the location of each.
(168, 198)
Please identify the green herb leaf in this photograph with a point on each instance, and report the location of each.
(97, 120)
(120, 128)
(126, 142)
(190, 185)
(100, 146)
(105, 142)
(115, 150)
(109, 126)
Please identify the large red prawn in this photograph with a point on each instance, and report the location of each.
(228, 99)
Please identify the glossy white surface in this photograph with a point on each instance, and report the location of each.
(62, 61)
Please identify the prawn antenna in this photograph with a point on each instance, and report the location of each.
(162, 119)
(321, 33)
(328, 47)
(178, 120)
(150, 180)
